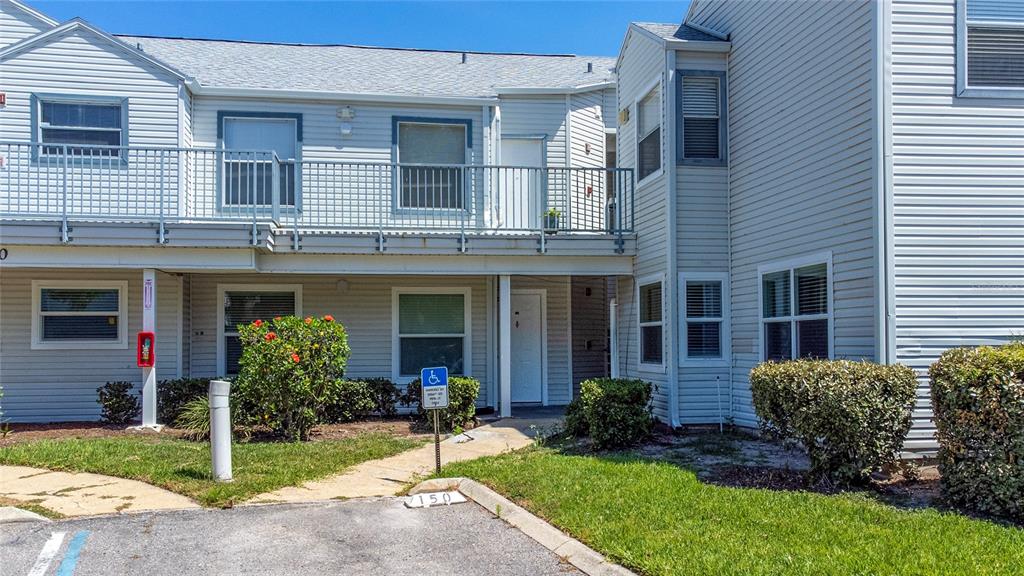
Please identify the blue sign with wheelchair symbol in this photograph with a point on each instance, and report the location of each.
(434, 383)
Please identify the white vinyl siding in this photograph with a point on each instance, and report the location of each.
(59, 385)
(790, 195)
(81, 64)
(16, 24)
(958, 205)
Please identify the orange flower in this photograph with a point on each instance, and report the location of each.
(329, 318)
(257, 322)
(270, 336)
(308, 320)
(276, 318)
(295, 357)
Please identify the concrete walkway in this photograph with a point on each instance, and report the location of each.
(390, 475)
(81, 494)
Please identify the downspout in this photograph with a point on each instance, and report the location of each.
(885, 342)
(728, 240)
(671, 264)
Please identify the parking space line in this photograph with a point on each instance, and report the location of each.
(67, 566)
(46, 554)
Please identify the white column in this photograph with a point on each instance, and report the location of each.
(149, 325)
(505, 344)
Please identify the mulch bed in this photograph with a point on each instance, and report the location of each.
(18, 433)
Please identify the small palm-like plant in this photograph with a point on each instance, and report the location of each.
(195, 418)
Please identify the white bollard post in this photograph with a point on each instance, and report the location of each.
(220, 429)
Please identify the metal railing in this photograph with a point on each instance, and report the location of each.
(102, 183)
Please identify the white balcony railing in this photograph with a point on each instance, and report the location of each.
(179, 185)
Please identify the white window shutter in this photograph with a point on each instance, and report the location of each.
(700, 96)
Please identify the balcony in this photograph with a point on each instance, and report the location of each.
(291, 202)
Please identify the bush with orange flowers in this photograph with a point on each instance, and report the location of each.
(289, 372)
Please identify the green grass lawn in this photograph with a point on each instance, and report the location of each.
(657, 518)
(184, 467)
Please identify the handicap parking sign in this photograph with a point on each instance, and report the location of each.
(435, 387)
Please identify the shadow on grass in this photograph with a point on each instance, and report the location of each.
(719, 460)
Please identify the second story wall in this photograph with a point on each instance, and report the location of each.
(801, 163)
(17, 24)
(80, 63)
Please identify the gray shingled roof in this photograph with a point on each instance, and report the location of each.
(368, 70)
(677, 32)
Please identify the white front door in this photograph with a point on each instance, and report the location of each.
(521, 188)
(527, 347)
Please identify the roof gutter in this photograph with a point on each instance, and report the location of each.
(235, 92)
(698, 45)
(541, 90)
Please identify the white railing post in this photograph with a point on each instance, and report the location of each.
(275, 187)
(64, 238)
(162, 194)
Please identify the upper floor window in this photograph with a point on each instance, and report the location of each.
(86, 126)
(990, 48)
(648, 137)
(702, 117)
(251, 141)
(796, 310)
(432, 156)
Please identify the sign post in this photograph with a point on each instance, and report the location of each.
(434, 383)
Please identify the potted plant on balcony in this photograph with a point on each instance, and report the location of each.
(551, 220)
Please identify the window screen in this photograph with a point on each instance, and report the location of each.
(441, 150)
(651, 341)
(73, 314)
(81, 124)
(995, 43)
(649, 134)
(242, 307)
(700, 104)
(431, 332)
(703, 319)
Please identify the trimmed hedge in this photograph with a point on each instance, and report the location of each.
(851, 417)
(385, 396)
(461, 410)
(173, 395)
(616, 412)
(118, 404)
(349, 400)
(978, 401)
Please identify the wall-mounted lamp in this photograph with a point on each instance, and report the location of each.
(342, 285)
(346, 113)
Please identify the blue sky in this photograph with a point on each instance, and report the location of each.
(580, 27)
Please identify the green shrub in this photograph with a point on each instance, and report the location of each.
(288, 372)
(118, 403)
(194, 418)
(978, 401)
(385, 396)
(350, 400)
(851, 417)
(616, 411)
(575, 419)
(461, 410)
(173, 395)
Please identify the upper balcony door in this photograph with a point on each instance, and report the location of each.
(248, 176)
(522, 185)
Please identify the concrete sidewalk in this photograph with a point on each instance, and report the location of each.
(82, 494)
(389, 476)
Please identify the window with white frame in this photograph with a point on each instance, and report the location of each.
(990, 41)
(431, 329)
(702, 117)
(432, 156)
(76, 314)
(705, 309)
(651, 324)
(648, 123)
(244, 305)
(86, 126)
(796, 313)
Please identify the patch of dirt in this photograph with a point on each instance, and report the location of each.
(18, 433)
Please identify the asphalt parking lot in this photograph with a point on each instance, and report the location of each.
(353, 537)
